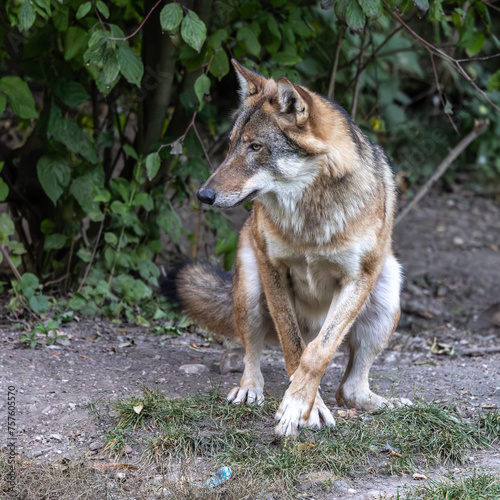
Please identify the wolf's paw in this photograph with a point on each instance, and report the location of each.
(291, 416)
(248, 395)
(368, 400)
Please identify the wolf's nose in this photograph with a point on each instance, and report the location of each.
(206, 196)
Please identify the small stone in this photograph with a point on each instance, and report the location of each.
(96, 445)
(57, 437)
(340, 486)
(121, 476)
(351, 491)
(232, 361)
(127, 450)
(458, 241)
(194, 369)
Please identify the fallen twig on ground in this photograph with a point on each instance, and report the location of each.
(442, 167)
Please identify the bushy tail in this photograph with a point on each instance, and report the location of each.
(204, 292)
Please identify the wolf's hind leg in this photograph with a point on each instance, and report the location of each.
(368, 337)
(253, 323)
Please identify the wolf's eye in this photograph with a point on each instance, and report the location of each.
(255, 146)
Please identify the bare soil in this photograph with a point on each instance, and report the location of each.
(450, 250)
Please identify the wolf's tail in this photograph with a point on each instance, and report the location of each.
(204, 292)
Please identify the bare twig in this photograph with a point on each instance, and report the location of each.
(331, 86)
(434, 50)
(438, 87)
(13, 268)
(480, 351)
(89, 265)
(442, 167)
(140, 25)
(358, 75)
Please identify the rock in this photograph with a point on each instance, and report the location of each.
(232, 361)
(57, 437)
(194, 369)
(96, 445)
(127, 450)
(340, 486)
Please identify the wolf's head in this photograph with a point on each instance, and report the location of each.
(283, 137)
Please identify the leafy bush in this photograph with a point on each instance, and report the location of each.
(105, 137)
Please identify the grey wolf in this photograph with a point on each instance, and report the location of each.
(314, 263)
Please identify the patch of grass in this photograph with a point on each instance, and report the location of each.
(242, 436)
(476, 487)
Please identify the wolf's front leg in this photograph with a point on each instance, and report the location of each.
(252, 320)
(302, 405)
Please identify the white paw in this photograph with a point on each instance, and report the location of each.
(368, 401)
(248, 395)
(291, 416)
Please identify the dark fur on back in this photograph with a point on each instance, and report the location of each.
(204, 292)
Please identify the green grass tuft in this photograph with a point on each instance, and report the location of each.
(242, 436)
(475, 487)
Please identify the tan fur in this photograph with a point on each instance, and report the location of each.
(314, 259)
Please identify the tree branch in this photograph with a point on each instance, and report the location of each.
(331, 86)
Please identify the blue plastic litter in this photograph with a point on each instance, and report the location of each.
(221, 476)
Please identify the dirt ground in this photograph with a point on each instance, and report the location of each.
(450, 250)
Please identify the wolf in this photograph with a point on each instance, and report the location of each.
(314, 263)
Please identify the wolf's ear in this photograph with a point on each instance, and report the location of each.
(294, 100)
(250, 83)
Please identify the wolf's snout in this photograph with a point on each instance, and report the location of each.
(206, 196)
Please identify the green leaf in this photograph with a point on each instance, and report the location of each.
(131, 66)
(143, 200)
(75, 42)
(82, 188)
(371, 8)
(130, 151)
(6, 227)
(77, 302)
(249, 40)
(55, 241)
(193, 31)
(153, 163)
(39, 304)
(83, 10)
(171, 17)
(4, 190)
(220, 64)
(110, 238)
(29, 280)
(20, 97)
(26, 15)
(119, 208)
(71, 93)
(249, 9)
(61, 18)
(475, 44)
(287, 58)
(202, 87)
(102, 8)
(54, 175)
(355, 17)
(84, 254)
(494, 83)
(422, 5)
(3, 103)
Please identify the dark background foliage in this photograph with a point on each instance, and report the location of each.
(113, 112)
